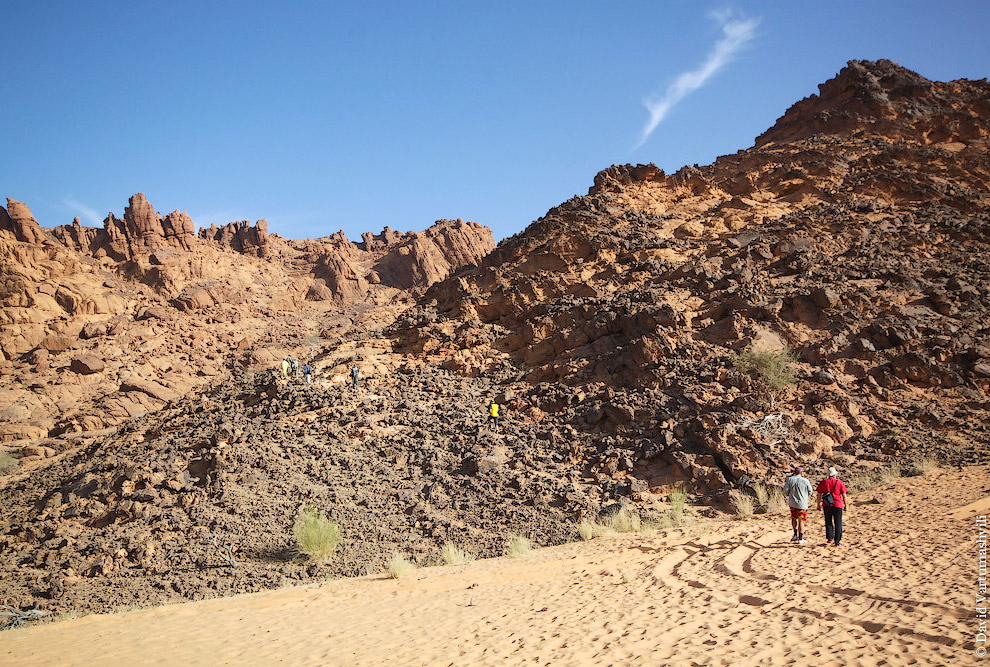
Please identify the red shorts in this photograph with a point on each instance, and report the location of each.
(800, 515)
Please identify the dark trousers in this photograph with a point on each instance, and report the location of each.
(833, 523)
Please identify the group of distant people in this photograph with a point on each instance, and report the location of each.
(290, 366)
(830, 496)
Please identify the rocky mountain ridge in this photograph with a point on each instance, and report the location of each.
(102, 324)
(863, 253)
(853, 233)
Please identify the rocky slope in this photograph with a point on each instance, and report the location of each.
(854, 233)
(101, 324)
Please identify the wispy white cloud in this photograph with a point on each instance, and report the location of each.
(737, 32)
(84, 212)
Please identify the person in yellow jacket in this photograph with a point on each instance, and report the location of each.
(494, 412)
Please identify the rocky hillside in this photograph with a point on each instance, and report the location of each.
(854, 233)
(101, 324)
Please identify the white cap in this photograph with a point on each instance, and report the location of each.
(832, 472)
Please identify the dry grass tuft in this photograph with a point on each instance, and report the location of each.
(762, 493)
(742, 503)
(316, 535)
(625, 521)
(864, 481)
(518, 545)
(399, 565)
(8, 463)
(454, 555)
(589, 529)
(889, 474)
(777, 501)
(921, 464)
(677, 499)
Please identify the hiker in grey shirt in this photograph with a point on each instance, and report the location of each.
(798, 490)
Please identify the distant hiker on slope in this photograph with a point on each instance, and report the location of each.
(295, 366)
(285, 368)
(355, 376)
(308, 372)
(832, 496)
(494, 412)
(798, 490)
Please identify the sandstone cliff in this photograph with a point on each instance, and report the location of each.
(108, 323)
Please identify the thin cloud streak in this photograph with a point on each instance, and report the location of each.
(737, 33)
(87, 213)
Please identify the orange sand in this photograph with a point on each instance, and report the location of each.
(900, 591)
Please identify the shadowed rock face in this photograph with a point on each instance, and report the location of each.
(240, 236)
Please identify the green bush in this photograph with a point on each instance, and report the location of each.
(316, 536)
(773, 372)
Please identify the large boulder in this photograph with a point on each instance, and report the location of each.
(87, 364)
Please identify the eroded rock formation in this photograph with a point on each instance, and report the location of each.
(855, 233)
(145, 302)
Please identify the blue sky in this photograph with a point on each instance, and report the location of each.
(322, 116)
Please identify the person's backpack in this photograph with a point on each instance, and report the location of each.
(828, 498)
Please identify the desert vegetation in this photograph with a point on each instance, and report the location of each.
(771, 371)
(8, 463)
(770, 498)
(399, 566)
(316, 536)
(451, 554)
(741, 502)
(518, 545)
(915, 465)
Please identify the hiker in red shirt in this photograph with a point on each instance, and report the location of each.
(832, 496)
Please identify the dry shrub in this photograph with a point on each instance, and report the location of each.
(677, 499)
(8, 463)
(399, 565)
(742, 503)
(921, 464)
(777, 501)
(518, 545)
(316, 535)
(454, 555)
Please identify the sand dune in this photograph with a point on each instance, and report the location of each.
(900, 591)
